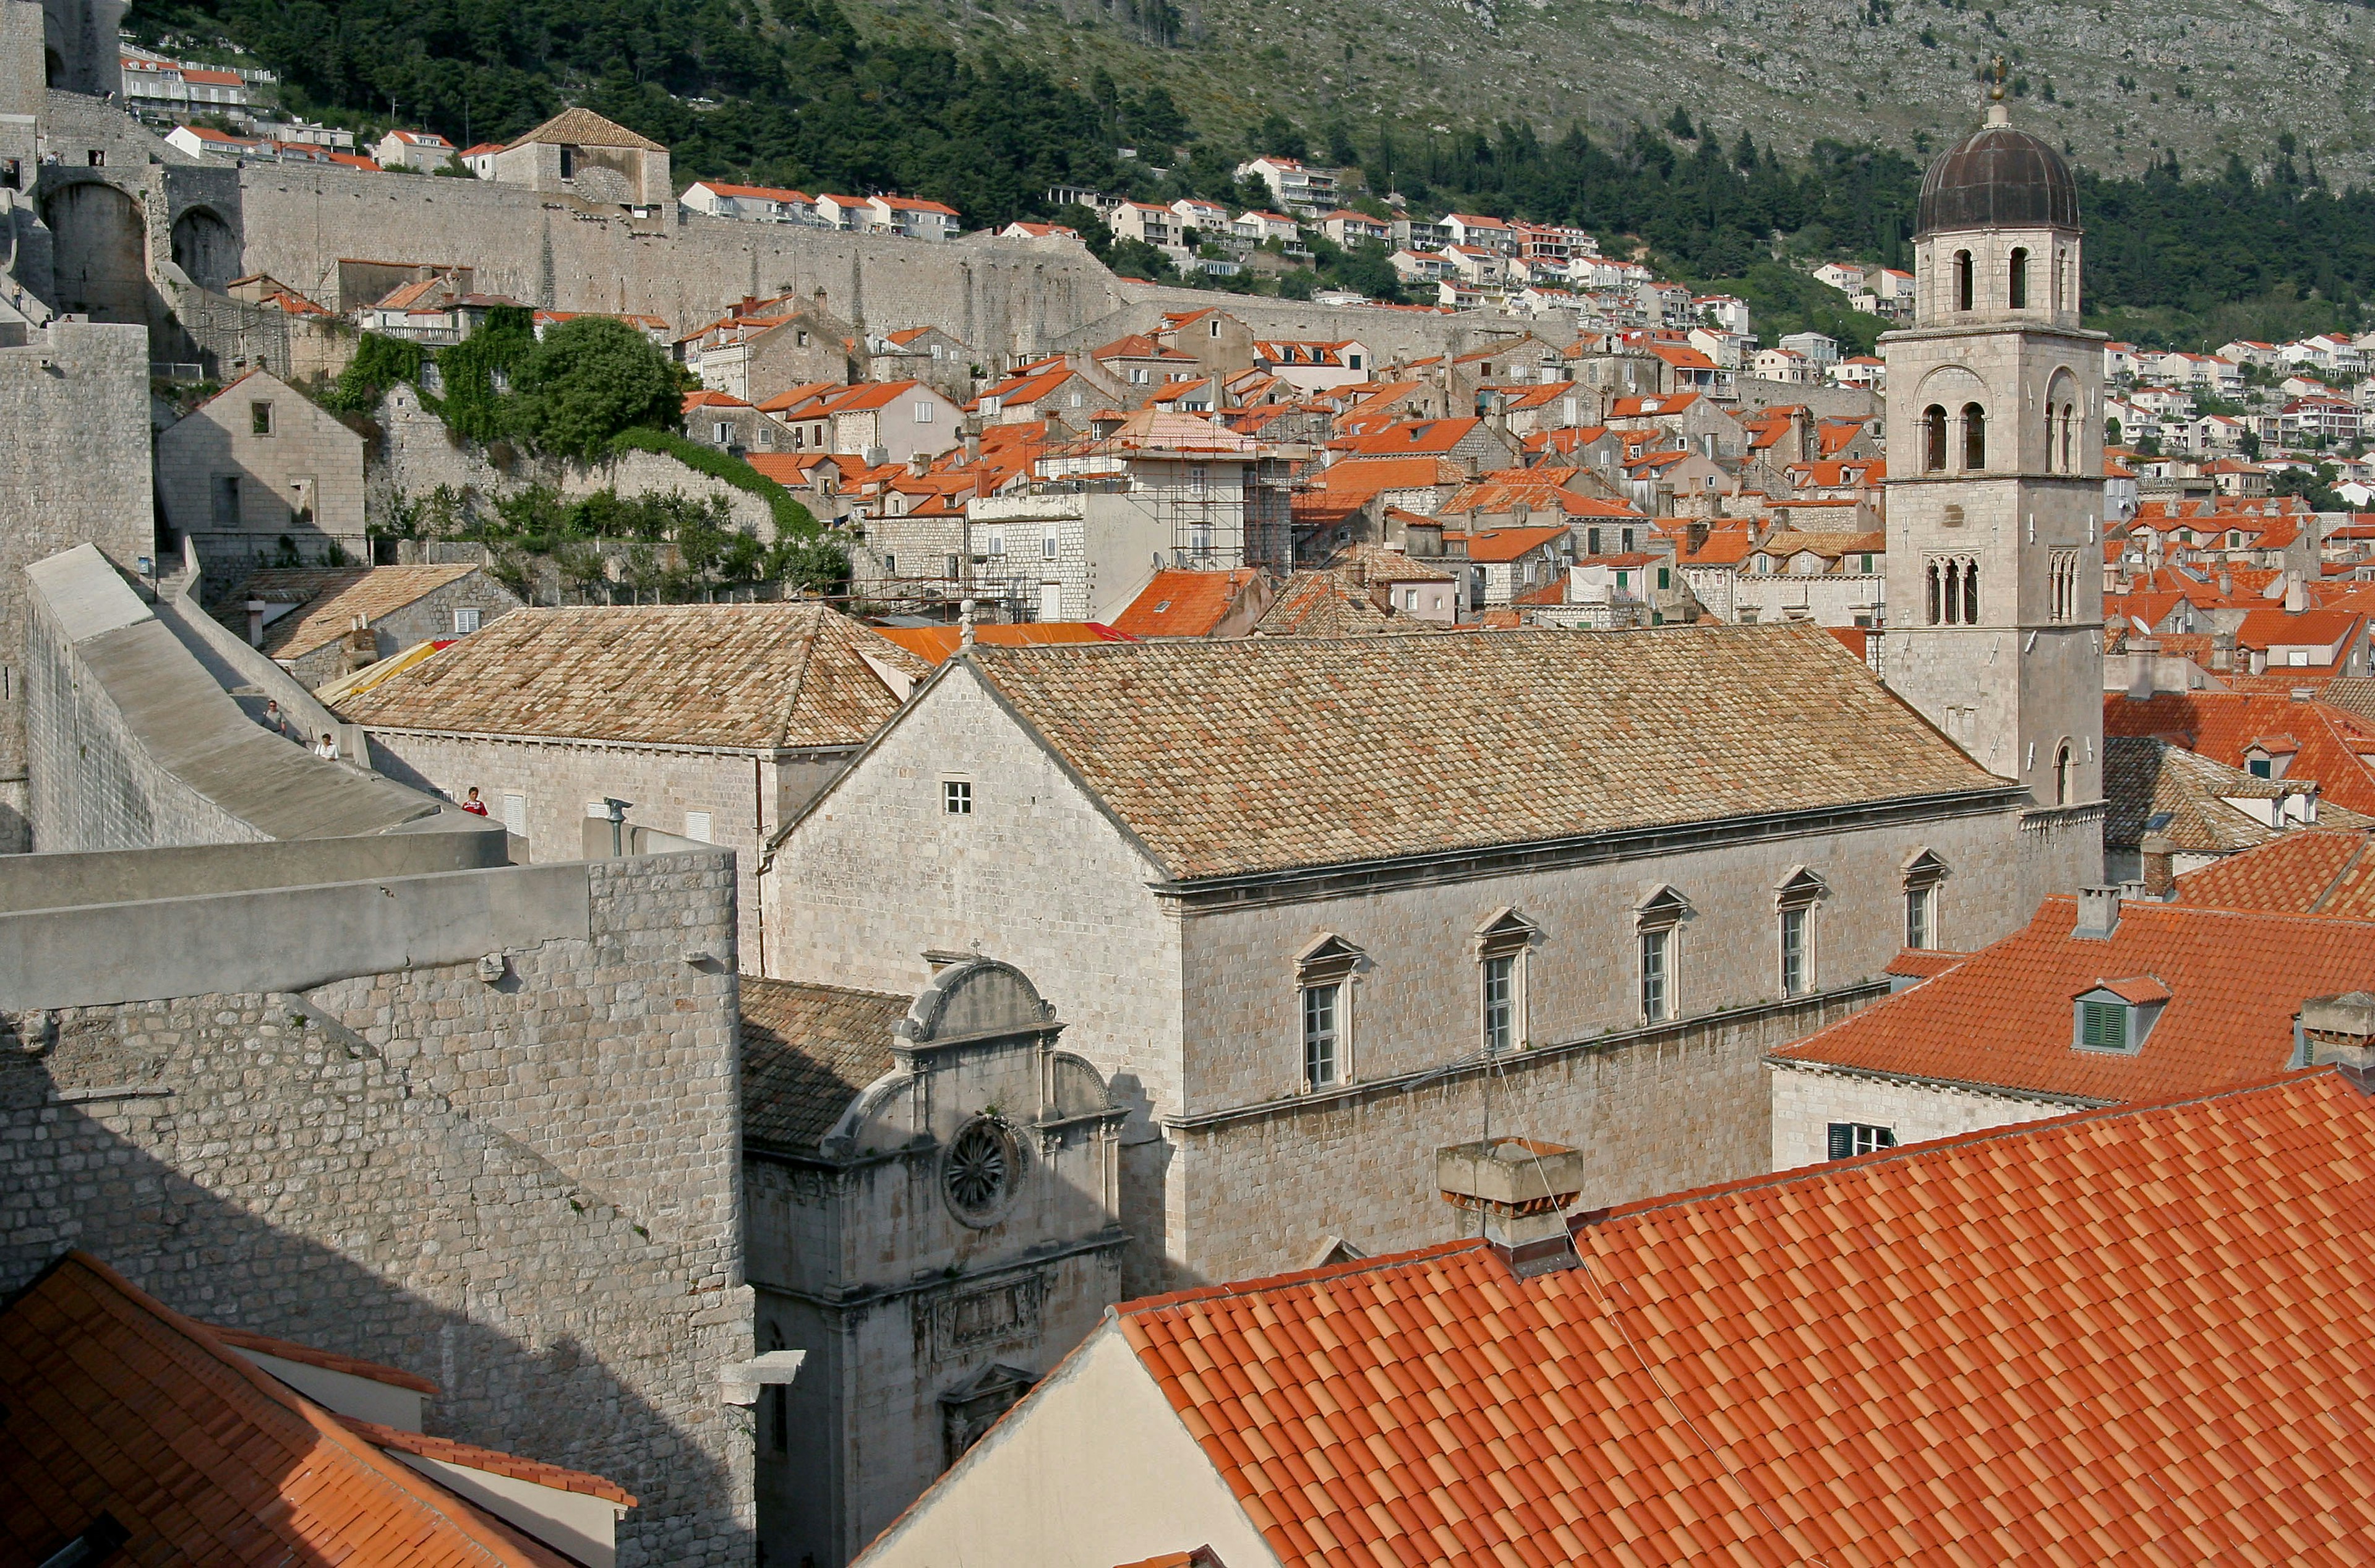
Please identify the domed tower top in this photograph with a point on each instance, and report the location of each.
(1996, 235)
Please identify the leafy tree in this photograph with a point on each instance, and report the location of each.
(815, 566)
(588, 380)
(379, 363)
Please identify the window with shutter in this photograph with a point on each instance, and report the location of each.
(2103, 1026)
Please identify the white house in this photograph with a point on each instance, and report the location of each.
(1293, 183)
(422, 150)
(1260, 227)
(759, 204)
(913, 217)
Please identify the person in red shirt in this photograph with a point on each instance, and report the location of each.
(474, 805)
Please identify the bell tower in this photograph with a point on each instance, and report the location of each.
(1995, 488)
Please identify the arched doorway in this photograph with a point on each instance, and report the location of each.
(101, 249)
(205, 248)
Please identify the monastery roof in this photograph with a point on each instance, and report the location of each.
(2079, 1341)
(937, 644)
(118, 1403)
(330, 599)
(1327, 604)
(1182, 603)
(2003, 1017)
(807, 1050)
(2318, 871)
(755, 676)
(583, 127)
(1203, 750)
(2335, 745)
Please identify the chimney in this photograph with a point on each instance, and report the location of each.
(2295, 593)
(1520, 1188)
(2222, 652)
(973, 448)
(2158, 856)
(2339, 1030)
(2226, 582)
(256, 608)
(919, 464)
(965, 624)
(2098, 914)
(2144, 656)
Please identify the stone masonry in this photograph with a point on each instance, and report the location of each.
(526, 1190)
(258, 463)
(1807, 1099)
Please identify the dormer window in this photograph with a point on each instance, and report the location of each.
(2116, 1015)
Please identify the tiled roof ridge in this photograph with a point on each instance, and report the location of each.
(469, 1455)
(1147, 1306)
(791, 702)
(330, 1361)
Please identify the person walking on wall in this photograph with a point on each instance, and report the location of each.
(328, 751)
(276, 720)
(474, 805)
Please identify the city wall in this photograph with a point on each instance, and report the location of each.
(525, 1188)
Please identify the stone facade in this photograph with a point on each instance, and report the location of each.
(526, 1190)
(923, 1320)
(429, 618)
(1105, 548)
(74, 469)
(259, 463)
(1189, 1000)
(1807, 1099)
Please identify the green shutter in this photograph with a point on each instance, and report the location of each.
(2103, 1026)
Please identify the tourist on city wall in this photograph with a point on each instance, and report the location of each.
(474, 805)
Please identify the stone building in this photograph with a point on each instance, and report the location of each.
(931, 1191)
(1995, 487)
(711, 724)
(1323, 899)
(319, 625)
(579, 153)
(259, 471)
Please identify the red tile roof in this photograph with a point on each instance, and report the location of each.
(937, 644)
(2306, 871)
(2003, 1017)
(2221, 725)
(470, 1456)
(1410, 438)
(115, 1402)
(2133, 1336)
(1179, 603)
(1508, 543)
(330, 1361)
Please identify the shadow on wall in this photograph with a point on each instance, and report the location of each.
(418, 1239)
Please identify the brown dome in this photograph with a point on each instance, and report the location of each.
(1998, 177)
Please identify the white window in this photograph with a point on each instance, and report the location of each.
(1048, 545)
(1500, 1002)
(1324, 983)
(1849, 1139)
(994, 541)
(515, 813)
(956, 797)
(465, 622)
(1657, 973)
(1796, 970)
(725, 432)
(923, 412)
(1322, 1059)
(1079, 400)
(1921, 922)
(696, 827)
(1409, 598)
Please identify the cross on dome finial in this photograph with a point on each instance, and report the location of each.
(1997, 113)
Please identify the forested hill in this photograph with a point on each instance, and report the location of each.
(796, 95)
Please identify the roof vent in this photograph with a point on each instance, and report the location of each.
(2099, 914)
(1522, 1189)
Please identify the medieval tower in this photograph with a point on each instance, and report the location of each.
(1995, 489)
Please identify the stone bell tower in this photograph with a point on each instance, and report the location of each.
(1995, 488)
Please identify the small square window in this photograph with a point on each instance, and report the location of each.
(956, 797)
(259, 419)
(923, 413)
(465, 622)
(1849, 1139)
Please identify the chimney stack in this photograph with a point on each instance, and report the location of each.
(1522, 1189)
(2222, 652)
(256, 608)
(2295, 593)
(2339, 1030)
(2099, 914)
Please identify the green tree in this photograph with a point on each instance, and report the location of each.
(588, 380)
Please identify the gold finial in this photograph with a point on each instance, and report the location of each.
(1995, 93)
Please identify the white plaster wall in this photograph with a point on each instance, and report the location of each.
(1807, 1100)
(1094, 1468)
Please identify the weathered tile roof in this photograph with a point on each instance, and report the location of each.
(807, 1053)
(937, 644)
(2003, 1017)
(741, 675)
(1180, 602)
(2152, 786)
(116, 1403)
(332, 597)
(1328, 604)
(1228, 757)
(2133, 1336)
(2307, 871)
(583, 127)
(2336, 744)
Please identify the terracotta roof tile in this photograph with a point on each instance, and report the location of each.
(1205, 749)
(583, 127)
(2221, 725)
(2303, 872)
(1181, 603)
(2001, 1017)
(807, 1050)
(331, 598)
(937, 644)
(471, 1457)
(264, 1344)
(2189, 800)
(2080, 1341)
(737, 676)
(1329, 604)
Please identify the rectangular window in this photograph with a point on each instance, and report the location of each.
(1409, 598)
(1795, 967)
(1849, 1139)
(956, 568)
(923, 413)
(696, 826)
(1920, 930)
(1048, 545)
(1656, 971)
(259, 419)
(1665, 577)
(515, 813)
(465, 622)
(2102, 1026)
(890, 566)
(993, 542)
(1320, 1034)
(1501, 1002)
(956, 797)
(725, 436)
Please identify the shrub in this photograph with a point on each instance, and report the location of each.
(791, 517)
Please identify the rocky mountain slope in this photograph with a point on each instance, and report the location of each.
(2121, 83)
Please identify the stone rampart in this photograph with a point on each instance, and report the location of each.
(524, 1187)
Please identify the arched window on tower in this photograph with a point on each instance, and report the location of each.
(2065, 775)
(1937, 570)
(1934, 438)
(1962, 280)
(2016, 285)
(1970, 593)
(2069, 438)
(1975, 436)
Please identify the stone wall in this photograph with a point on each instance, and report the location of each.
(74, 469)
(526, 1191)
(1807, 1099)
(302, 460)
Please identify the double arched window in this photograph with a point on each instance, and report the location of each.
(1953, 587)
(1934, 446)
(1934, 439)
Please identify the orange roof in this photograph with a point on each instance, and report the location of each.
(1408, 438)
(937, 644)
(1179, 603)
(1373, 475)
(118, 1403)
(2003, 1017)
(2335, 745)
(330, 1360)
(2276, 628)
(2306, 871)
(713, 400)
(2130, 1335)
(1508, 543)
(469, 1455)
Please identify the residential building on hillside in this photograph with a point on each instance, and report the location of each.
(1572, 919)
(760, 348)
(706, 723)
(1294, 185)
(260, 473)
(1861, 1363)
(753, 203)
(578, 153)
(423, 151)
